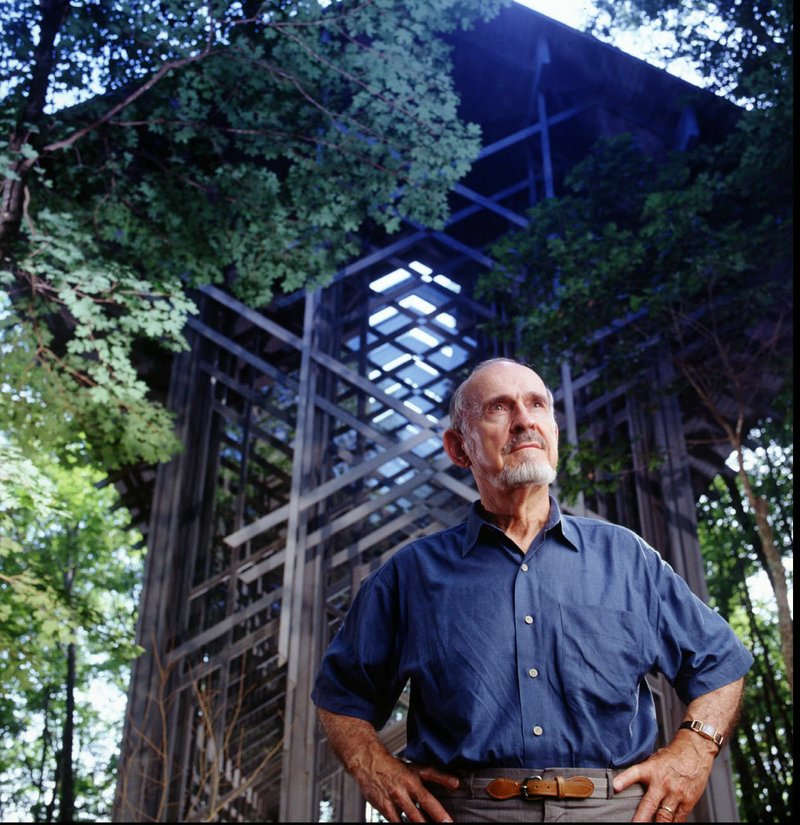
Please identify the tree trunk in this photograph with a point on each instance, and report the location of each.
(777, 575)
(47, 807)
(66, 806)
(772, 557)
(12, 188)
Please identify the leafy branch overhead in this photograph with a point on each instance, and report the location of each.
(637, 248)
(616, 267)
(156, 147)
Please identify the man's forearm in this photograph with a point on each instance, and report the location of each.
(354, 741)
(677, 774)
(719, 708)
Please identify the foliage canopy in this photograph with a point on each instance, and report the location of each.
(70, 569)
(237, 143)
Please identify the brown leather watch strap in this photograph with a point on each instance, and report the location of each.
(559, 787)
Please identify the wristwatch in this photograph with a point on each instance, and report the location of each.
(704, 729)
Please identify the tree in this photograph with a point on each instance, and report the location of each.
(69, 568)
(743, 50)
(238, 142)
(763, 750)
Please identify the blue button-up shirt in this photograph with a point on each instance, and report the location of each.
(530, 661)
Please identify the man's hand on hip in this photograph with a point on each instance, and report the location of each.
(395, 788)
(391, 786)
(675, 776)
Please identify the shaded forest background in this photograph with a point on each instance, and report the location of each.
(219, 144)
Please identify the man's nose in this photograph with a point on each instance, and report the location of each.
(523, 418)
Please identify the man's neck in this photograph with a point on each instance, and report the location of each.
(520, 513)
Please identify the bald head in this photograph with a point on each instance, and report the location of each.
(460, 407)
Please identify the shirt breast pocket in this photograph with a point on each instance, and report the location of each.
(601, 656)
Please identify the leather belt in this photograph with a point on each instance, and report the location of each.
(534, 787)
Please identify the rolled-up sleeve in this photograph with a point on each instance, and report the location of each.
(697, 650)
(358, 675)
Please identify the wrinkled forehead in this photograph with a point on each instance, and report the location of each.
(502, 380)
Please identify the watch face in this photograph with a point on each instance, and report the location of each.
(704, 729)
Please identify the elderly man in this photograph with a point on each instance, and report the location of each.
(526, 635)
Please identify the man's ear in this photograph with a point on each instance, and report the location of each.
(454, 447)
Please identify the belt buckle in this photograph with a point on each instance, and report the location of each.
(524, 787)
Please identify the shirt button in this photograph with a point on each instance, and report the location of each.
(537, 730)
(533, 673)
(524, 568)
(529, 620)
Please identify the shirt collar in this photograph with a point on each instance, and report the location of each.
(476, 521)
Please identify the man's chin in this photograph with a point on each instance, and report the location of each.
(526, 475)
